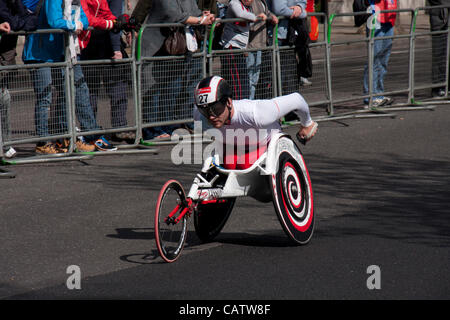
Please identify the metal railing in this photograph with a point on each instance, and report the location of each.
(142, 91)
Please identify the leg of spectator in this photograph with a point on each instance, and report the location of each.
(83, 108)
(251, 67)
(93, 76)
(117, 89)
(42, 83)
(438, 22)
(384, 55)
(5, 106)
(254, 69)
(243, 76)
(60, 108)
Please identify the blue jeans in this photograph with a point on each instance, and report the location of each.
(42, 82)
(254, 69)
(381, 54)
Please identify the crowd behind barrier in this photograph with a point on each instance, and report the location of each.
(144, 91)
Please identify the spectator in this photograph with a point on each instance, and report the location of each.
(313, 21)
(159, 91)
(257, 40)
(384, 27)
(208, 5)
(4, 27)
(289, 9)
(439, 22)
(13, 17)
(222, 6)
(236, 36)
(141, 10)
(105, 44)
(40, 48)
(313, 30)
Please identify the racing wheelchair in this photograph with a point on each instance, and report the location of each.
(279, 175)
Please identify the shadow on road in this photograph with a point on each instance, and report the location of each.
(389, 197)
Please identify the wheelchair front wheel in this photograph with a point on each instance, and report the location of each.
(171, 215)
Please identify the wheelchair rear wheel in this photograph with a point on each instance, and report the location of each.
(210, 218)
(293, 198)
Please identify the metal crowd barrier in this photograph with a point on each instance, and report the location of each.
(360, 57)
(144, 91)
(113, 93)
(317, 93)
(19, 125)
(166, 82)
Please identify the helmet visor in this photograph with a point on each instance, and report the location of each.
(214, 109)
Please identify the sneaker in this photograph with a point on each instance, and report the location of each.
(82, 146)
(124, 136)
(380, 102)
(305, 82)
(63, 145)
(388, 101)
(11, 153)
(438, 93)
(48, 148)
(104, 145)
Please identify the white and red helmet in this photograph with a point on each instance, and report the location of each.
(211, 90)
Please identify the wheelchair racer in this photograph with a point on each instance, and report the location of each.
(213, 99)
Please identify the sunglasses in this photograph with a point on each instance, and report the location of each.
(214, 109)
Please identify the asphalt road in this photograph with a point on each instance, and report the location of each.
(381, 191)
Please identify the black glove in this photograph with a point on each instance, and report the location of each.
(120, 23)
(133, 24)
(124, 22)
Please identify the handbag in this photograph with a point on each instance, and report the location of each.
(175, 43)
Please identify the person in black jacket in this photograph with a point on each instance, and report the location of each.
(13, 17)
(14, 13)
(439, 22)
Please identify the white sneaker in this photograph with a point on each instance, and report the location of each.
(11, 153)
(305, 82)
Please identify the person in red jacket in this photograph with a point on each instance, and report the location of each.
(313, 22)
(99, 16)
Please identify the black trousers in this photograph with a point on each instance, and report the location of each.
(439, 22)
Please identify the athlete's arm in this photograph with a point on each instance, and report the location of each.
(269, 111)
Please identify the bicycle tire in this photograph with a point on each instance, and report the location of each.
(293, 198)
(170, 236)
(209, 219)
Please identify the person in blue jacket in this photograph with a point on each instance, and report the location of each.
(42, 47)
